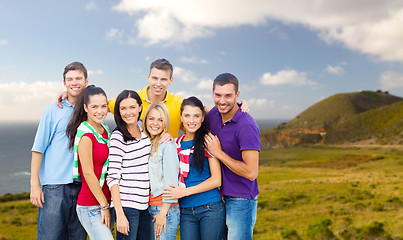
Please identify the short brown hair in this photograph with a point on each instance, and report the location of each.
(226, 78)
(162, 64)
(75, 66)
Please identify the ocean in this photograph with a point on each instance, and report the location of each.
(16, 141)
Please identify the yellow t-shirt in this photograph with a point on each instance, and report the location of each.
(172, 102)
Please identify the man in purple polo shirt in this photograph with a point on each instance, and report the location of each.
(235, 141)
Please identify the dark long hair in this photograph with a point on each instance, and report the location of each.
(79, 114)
(121, 125)
(198, 152)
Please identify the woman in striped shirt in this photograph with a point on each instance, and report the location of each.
(128, 177)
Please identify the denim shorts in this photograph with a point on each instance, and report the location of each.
(172, 219)
(91, 219)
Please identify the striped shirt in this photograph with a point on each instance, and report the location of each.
(128, 167)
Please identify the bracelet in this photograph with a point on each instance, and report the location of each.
(104, 207)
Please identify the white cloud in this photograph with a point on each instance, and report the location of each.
(205, 84)
(259, 102)
(90, 6)
(96, 72)
(184, 75)
(390, 80)
(114, 33)
(334, 70)
(3, 42)
(26, 101)
(193, 60)
(368, 26)
(290, 77)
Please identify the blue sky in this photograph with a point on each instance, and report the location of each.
(287, 54)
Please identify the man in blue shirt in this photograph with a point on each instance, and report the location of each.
(52, 187)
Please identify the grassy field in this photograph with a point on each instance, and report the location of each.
(306, 193)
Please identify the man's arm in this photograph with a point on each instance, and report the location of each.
(36, 195)
(248, 168)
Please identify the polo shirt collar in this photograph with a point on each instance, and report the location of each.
(235, 118)
(67, 103)
(145, 96)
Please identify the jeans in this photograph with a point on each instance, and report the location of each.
(58, 217)
(205, 222)
(139, 224)
(91, 219)
(172, 219)
(240, 217)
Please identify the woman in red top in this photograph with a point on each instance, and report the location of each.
(89, 137)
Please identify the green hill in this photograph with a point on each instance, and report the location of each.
(340, 108)
(383, 125)
(375, 117)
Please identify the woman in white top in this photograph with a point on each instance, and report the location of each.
(128, 169)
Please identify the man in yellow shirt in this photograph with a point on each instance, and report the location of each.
(159, 78)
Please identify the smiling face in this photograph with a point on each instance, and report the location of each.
(192, 118)
(159, 81)
(154, 122)
(225, 98)
(75, 82)
(129, 110)
(97, 109)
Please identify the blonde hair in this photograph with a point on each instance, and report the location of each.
(162, 109)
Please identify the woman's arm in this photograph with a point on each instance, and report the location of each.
(214, 181)
(170, 167)
(116, 153)
(87, 166)
(122, 224)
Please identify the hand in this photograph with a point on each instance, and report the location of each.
(160, 222)
(174, 192)
(36, 196)
(167, 137)
(61, 97)
(213, 144)
(244, 106)
(122, 225)
(106, 217)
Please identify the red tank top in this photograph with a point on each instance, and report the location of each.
(100, 153)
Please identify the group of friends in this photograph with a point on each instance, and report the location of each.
(142, 175)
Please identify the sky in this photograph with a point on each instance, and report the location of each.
(287, 55)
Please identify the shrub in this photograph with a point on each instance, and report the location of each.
(290, 234)
(374, 230)
(320, 230)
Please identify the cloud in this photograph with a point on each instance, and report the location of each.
(390, 80)
(368, 26)
(29, 97)
(3, 42)
(96, 72)
(334, 70)
(205, 84)
(114, 33)
(184, 75)
(90, 6)
(258, 102)
(193, 60)
(289, 77)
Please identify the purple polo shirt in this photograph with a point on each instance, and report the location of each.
(239, 133)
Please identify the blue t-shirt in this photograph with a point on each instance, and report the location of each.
(51, 140)
(195, 177)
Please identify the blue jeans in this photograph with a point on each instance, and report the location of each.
(139, 224)
(173, 218)
(240, 217)
(91, 219)
(58, 217)
(206, 222)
